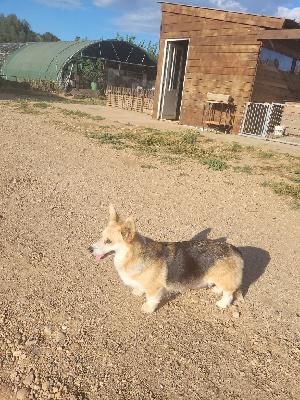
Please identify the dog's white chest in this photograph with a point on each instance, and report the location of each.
(118, 261)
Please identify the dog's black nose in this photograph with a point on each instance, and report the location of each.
(91, 249)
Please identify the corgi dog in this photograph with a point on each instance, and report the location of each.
(154, 268)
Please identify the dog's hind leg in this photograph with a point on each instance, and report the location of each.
(153, 298)
(216, 290)
(225, 300)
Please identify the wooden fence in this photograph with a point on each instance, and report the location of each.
(130, 99)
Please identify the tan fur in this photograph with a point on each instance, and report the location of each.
(153, 267)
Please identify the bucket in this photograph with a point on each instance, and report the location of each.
(279, 130)
(94, 85)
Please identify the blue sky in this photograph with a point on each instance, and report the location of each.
(96, 19)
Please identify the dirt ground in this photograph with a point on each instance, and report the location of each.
(70, 329)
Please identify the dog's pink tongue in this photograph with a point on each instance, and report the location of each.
(98, 258)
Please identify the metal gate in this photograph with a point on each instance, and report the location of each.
(272, 121)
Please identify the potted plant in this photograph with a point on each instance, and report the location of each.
(93, 71)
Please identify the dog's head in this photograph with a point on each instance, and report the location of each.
(115, 237)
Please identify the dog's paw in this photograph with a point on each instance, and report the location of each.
(137, 292)
(148, 308)
(222, 304)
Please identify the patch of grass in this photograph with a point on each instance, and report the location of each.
(250, 149)
(75, 113)
(283, 189)
(96, 117)
(214, 163)
(190, 137)
(107, 138)
(236, 147)
(41, 105)
(148, 166)
(207, 140)
(171, 160)
(153, 140)
(91, 101)
(245, 169)
(265, 154)
(296, 205)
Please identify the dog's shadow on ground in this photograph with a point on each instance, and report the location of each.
(255, 260)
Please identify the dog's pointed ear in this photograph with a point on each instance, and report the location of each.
(113, 216)
(128, 229)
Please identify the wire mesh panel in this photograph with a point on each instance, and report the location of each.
(255, 116)
(275, 121)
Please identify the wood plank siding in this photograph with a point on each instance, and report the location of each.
(222, 55)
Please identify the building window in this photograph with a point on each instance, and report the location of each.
(273, 59)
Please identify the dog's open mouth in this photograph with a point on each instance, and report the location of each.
(101, 256)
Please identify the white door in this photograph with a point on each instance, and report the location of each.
(171, 80)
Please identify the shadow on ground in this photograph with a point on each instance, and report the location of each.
(255, 260)
(255, 263)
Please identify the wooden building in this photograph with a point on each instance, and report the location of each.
(223, 59)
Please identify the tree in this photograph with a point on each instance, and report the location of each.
(13, 30)
(150, 48)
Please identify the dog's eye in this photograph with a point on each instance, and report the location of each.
(107, 241)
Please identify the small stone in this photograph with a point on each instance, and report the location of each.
(47, 330)
(17, 353)
(236, 314)
(28, 380)
(22, 394)
(45, 385)
(60, 337)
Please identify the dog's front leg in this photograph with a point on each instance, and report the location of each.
(153, 298)
(137, 292)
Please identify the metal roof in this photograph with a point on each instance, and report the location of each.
(46, 60)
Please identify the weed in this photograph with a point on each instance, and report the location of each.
(97, 117)
(283, 189)
(296, 205)
(265, 154)
(214, 163)
(190, 137)
(148, 166)
(207, 140)
(171, 160)
(75, 113)
(41, 105)
(245, 169)
(236, 147)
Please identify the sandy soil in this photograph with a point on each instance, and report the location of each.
(69, 329)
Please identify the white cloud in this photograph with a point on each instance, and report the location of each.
(140, 21)
(228, 5)
(103, 3)
(65, 4)
(291, 13)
